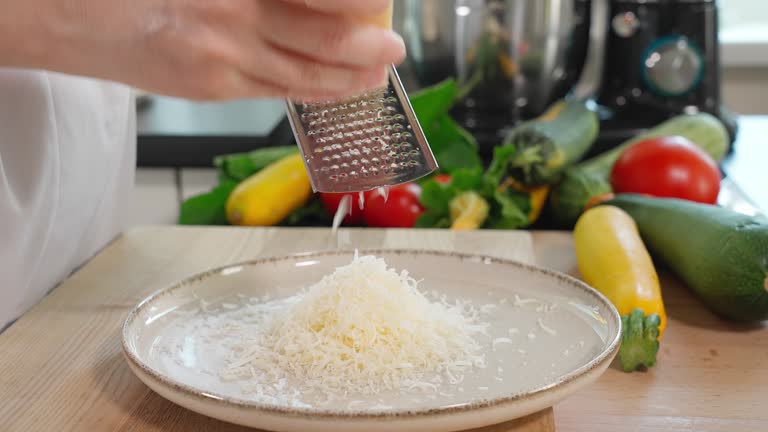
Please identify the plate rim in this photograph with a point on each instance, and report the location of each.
(606, 355)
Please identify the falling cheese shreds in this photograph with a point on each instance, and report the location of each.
(363, 329)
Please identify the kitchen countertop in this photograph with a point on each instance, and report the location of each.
(746, 167)
(61, 366)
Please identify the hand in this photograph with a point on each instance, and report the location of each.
(207, 49)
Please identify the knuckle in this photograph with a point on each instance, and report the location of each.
(334, 41)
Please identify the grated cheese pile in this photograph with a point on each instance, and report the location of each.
(363, 329)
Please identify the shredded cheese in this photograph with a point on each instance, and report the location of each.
(361, 330)
(545, 328)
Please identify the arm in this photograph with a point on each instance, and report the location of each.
(205, 49)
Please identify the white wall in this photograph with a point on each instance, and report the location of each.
(745, 90)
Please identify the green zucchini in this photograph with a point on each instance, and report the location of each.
(720, 254)
(590, 178)
(547, 145)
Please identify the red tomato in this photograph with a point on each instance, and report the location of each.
(667, 167)
(443, 178)
(399, 210)
(331, 202)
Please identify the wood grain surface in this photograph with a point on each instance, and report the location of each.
(61, 367)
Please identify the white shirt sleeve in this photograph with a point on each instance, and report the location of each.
(67, 160)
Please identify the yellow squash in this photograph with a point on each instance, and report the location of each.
(614, 260)
(269, 196)
(468, 211)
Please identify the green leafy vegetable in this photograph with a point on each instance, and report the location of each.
(512, 209)
(639, 341)
(434, 102)
(454, 147)
(209, 208)
(502, 157)
(509, 208)
(433, 219)
(311, 214)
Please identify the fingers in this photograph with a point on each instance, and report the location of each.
(347, 7)
(306, 77)
(329, 39)
(277, 49)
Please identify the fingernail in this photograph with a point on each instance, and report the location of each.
(394, 49)
(383, 46)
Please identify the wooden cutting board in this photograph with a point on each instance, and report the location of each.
(61, 366)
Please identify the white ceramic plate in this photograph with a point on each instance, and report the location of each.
(565, 336)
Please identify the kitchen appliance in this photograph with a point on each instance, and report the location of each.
(662, 58)
(640, 61)
(512, 57)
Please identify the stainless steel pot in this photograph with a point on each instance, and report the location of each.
(516, 56)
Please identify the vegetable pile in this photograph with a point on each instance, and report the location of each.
(649, 201)
(536, 174)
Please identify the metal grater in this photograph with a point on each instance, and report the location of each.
(363, 142)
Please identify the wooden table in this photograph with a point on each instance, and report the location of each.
(61, 366)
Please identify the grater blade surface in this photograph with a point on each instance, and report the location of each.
(362, 142)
